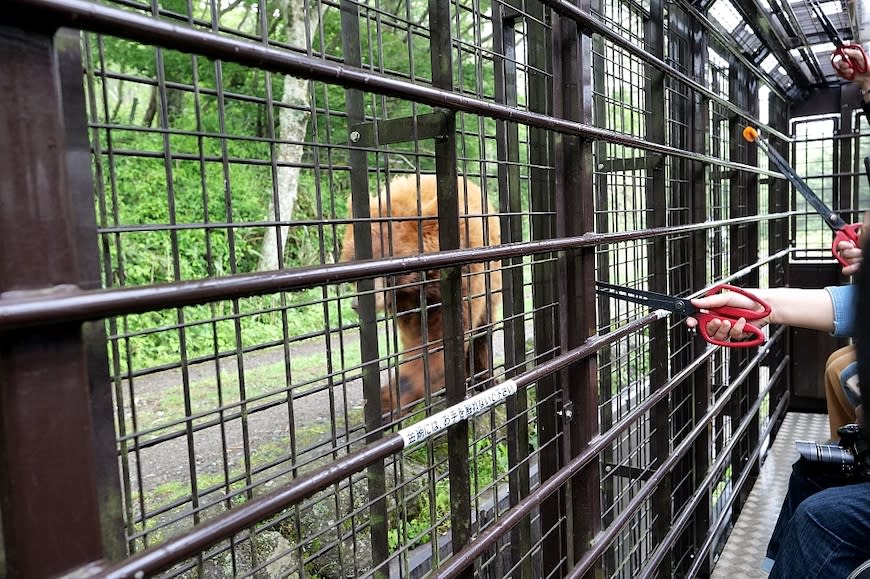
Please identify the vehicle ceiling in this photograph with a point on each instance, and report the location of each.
(785, 39)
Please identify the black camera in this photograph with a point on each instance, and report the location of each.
(851, 457)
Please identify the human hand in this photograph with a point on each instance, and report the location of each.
(852, 255)
(720, 328)
(843, 66)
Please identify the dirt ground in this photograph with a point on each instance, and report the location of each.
(316, 419)
(168, 461)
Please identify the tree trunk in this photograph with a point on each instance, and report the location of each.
(151, 111)
(292, 126)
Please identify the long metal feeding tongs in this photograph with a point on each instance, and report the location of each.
(684, 307)
(845, 231)
(857, 66)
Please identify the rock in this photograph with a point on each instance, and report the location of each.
(266, 545)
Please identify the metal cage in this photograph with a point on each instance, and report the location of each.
(224, 261)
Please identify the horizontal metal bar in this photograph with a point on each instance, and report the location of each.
(737, 486)
(728, 42)
(606, 538)
(590, 23)
(713, 532)
(653, 561)
(459, 561)
(202, 536)
(147, 30)
(71, 304)
(751, 267)
(400, 130)
(155, 559)
(456, 564)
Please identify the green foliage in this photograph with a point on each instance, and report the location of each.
(223, 326)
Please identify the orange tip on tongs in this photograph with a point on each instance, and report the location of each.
(750, 134)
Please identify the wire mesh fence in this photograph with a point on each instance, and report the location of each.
(272, 180)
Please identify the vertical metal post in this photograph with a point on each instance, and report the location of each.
(603, 201)
(744, 248)
(544, 286)
(749, 194)
(575, 214)
(657, 203)
(359, 185)
(510, 204)
(78, 147)
(845, 163)
(778, 235)
(451, 282)
(47, 468)
(700, 381)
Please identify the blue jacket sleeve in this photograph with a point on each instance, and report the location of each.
(843, 297)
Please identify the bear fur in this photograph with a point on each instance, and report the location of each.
(397, 228)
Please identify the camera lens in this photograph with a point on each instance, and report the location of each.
(825, 453)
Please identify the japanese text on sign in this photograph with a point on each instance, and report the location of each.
(462, 411)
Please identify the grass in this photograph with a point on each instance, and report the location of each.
(165, 404)
(273, 452)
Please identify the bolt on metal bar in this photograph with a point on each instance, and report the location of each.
(147, 30)
(70, 304)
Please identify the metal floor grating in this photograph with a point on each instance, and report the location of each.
(745, 548)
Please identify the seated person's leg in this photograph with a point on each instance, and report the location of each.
(841, 388)
(805, 481)
(828, 535)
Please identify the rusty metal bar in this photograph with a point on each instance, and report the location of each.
(48, 486)
(151, 31)
(71, 304)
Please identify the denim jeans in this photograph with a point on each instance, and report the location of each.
(823, 529)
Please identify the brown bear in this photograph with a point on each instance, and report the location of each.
(399, 225)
